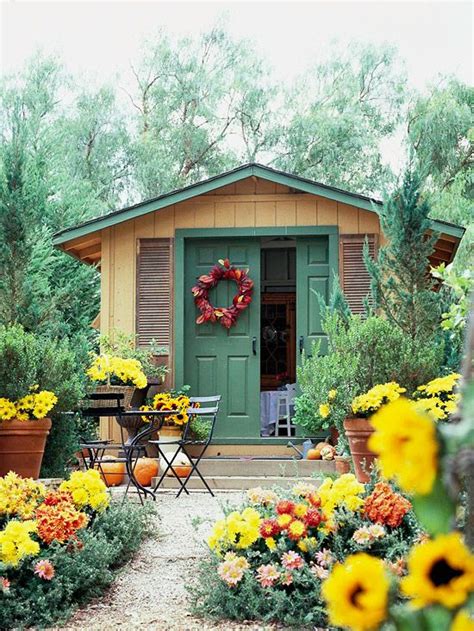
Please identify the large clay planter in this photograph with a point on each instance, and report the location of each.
(358, 431)
(22, 446)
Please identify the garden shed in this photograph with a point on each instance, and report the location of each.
(292, 234)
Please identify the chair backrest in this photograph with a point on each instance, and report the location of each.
(291, 389)
(208, 408)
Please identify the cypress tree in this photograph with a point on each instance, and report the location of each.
(401, 286)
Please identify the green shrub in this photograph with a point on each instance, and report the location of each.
(362, 353)
(29, 359)
(81, 573)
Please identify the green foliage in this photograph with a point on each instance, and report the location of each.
(125, 346)
(301, 606)
(28, 360)
(362, 353)
(338, 114)
(401, 287)
(199, 428)
(81, 573)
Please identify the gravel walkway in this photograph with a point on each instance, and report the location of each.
(150, 592)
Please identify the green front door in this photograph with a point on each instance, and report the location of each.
(220, 361)
(316, 257)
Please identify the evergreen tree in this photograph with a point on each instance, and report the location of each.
(400, 284)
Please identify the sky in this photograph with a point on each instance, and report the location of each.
(103, 38)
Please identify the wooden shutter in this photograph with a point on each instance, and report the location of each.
(355, 279)
(154, 291)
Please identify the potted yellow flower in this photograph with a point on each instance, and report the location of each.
(24, 427)
(113, 374)
(358, 427)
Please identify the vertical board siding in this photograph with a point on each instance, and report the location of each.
(355, 279)
(154, 292)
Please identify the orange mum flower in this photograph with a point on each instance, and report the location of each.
(384, 506)
(58, 519)
(285, 507)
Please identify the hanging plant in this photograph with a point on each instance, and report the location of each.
(227, 316)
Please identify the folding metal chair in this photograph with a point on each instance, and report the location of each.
(210, 412)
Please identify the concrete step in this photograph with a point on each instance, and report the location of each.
(219, 482)
(258, 467)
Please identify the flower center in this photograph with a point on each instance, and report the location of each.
(442, 573)
(358, 589)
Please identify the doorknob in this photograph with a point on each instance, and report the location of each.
(254, 345)
(301, 343)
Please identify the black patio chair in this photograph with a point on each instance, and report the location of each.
(209, 412)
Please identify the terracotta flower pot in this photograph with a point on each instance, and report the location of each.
(343, 464)
(22, 446)
(358, 431)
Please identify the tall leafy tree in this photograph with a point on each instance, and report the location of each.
(339, 113)
(440, 136)
(201, 107)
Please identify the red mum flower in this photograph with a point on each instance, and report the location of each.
(285, 507)
(314, 499)
(313, 518)
(269, 528)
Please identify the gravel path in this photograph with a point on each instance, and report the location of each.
(150, 592)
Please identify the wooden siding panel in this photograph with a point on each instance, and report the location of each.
(225, 212)
(123, 277)
(306, 212)
(245, 214)
(355, 279)
(154, 291)
(347, 218)
(369, 223)
(204, 214)
(286, 213)
(265, 186)
(164, 222)
(327, 212)
(245, 187)
(265, 214)
(184, 215)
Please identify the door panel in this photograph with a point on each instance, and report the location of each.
(220, 361)
(312, 279)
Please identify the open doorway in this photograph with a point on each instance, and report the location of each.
(278, 334)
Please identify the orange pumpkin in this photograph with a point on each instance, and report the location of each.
(112, 473)
(328, 452)
(322, 445)
(145, 470)
(313, 454)
(182, 470)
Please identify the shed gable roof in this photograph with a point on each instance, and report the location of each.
(229, 177)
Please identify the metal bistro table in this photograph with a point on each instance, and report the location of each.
(131, 450)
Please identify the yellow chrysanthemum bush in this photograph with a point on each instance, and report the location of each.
(270, 556)
(431, 462)
(33, 405)
(59, 547)
(113, 370)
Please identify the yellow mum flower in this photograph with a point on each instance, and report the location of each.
(284, 520)
(439, 571)
(405, 442)
(356, 593)
(7, 409)
(300, 510)
(324, 410)
(16, 543)
(332, 394)
(462, 621)
(270, 543)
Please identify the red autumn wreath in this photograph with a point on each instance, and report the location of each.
(227, 316)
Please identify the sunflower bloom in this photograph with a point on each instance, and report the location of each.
(356, 593)
(439, 571)
(405, 442)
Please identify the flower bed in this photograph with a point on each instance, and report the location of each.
(60, 548)
(270, 557)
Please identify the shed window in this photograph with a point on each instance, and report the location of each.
(355, 279)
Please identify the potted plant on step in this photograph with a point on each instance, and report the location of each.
(38, 380)
(358, 427)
